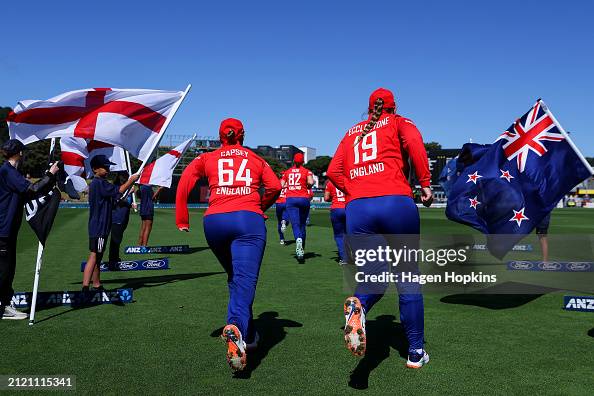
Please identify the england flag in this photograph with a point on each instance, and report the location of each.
(160, 172)
(78, 152)
(129, 118)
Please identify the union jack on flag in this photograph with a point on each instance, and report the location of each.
(528, 133)
(510, 186)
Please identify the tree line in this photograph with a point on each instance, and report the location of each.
(36, 157)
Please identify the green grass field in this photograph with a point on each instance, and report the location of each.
(166, 342)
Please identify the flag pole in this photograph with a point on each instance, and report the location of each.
(38, 262)
(36, 284)
(127, 154)
(566, 135)
(165, 125)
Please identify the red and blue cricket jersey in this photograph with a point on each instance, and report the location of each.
(337, 196)
(378, 163)
(234, 175)
(282, 198)
(296, 182)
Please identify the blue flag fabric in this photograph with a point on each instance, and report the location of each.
(509, 186)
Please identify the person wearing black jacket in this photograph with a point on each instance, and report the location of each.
(15, 189)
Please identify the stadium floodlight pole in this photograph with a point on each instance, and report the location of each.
(566, 135)
(129, 166)
(38, 262)
(164, 127)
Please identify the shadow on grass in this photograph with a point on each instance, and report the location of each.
(504, 296)
(272, 332)
(591, 332)
(383, 333)
(158, 280)
(195, 249)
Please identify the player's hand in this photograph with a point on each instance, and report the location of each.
(426, 196)
(54, 168)
(134, 206)
(185, 229)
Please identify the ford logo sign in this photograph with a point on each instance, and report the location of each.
(578, 266)
(522, 265)
(154, 264)
(553, 266)
(128, 265)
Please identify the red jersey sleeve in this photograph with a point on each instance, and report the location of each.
(272, 186)
(335, 170)
(413, 144)
(190, 176)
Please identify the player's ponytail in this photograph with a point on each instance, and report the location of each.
(378, 108)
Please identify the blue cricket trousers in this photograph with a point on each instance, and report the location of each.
(338, 219)
(392, 214)
(238, 240)
(281, 214)
(298, 210)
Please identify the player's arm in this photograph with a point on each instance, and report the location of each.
(188, 180)
(129, 183)
(272, 187)
(336, 168)
(283, 180)
(413, 144)
(310, 179)
(41, 187)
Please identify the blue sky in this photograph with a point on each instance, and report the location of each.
(301, 72)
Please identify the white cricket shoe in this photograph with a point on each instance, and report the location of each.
(283, 225)
(417, 359)
(11, 313)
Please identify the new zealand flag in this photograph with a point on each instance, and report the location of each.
(509, 186)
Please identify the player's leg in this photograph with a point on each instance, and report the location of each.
(7, 271)
(303, 214)
(96, 276)
(292, 209)
(247, 251)
(141, 235)
(117, 234)
(410, 297)
(280, 211)
(219, 231)
(90, 265)
(338, 220)
(542, 231)
(360, 223)
(147, 231)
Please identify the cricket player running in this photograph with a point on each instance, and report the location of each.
(298, 180)
(337, 217)
(234, 226)
(371, 166)
(281, 215)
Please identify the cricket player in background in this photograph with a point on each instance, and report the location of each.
(337, 217)
(371, 166)
(297, 180)
(282, 218)
(234, 226)
(147, 212)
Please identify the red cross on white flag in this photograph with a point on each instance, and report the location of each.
(133, 119)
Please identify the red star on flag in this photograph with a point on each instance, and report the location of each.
(473, 177)
(505, 175)
(519, 216)
(474, 202)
